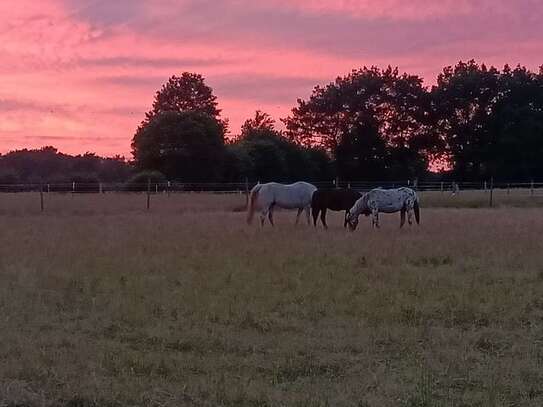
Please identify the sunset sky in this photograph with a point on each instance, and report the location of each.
(79, 74)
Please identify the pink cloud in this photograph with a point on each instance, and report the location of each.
(389, 9)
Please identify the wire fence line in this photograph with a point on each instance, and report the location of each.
(241, 187)
(478, 194)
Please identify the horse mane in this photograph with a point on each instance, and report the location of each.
(251, 203)
(362, 204)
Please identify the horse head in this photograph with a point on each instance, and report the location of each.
(352, 221)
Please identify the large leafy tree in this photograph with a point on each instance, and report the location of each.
(263, 153)
(260, 122)
(391, 110)
(362, 154)
(181, 145)
(464, 100)
(517, 125)
(491, 121)
(186, 93)
(182, 136)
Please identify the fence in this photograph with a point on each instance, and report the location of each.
(491, 189)
(236, 187)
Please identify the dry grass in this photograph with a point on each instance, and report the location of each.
(521, 198)
(106, 305)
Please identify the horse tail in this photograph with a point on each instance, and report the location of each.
(251, 204)
(416, 209)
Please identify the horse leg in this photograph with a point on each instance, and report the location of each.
(410, 215)
(263, 216)
(298, 215)
(308, 214)
(270, 217)
(375, 217)
(270, 214)
(402, 217)
(315, 213)
(345, 220)
(323, 218)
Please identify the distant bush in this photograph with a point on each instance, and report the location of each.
(138, 182)
(9, 176)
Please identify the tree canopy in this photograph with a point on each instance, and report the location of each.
(265, 154)
(47, 164)
(186, 93)
(181, 145)
(490, 121)
(371, 121)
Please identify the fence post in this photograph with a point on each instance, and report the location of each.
(441, 187)
(484, 186)
(169, 187)
(148, 193)
(491, 190)
(48, 188)
(101, 188)
(532, 187)
(156, 188)
(41, 197)
(73, 187)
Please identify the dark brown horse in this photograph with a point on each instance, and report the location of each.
(333, 199)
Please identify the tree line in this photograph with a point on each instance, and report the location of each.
(47, 164)
(476, 122)
(372, 124)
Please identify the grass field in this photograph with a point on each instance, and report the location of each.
(105, 304)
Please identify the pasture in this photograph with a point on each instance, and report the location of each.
(105, 304)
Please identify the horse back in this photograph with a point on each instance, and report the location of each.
(335, 199)
(390, 200)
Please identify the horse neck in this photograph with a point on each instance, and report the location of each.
(360, 205)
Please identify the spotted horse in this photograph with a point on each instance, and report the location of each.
(403, 200)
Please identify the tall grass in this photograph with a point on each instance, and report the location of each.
(186, 305)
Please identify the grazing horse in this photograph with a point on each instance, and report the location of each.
(333, 199)
(291, 196)
(386, 201)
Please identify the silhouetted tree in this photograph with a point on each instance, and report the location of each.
(186, 93)
(490, 121)
(263, 153)
(369, 102)
(238, 163)
(362, 153)
(185, 146)
(464, 100)
(517, 126)
(49, 165)
(261, 121)
(141, 180)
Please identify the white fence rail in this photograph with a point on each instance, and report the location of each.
(231, 187)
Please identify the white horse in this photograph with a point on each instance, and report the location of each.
(386, 201)
(291, 196)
